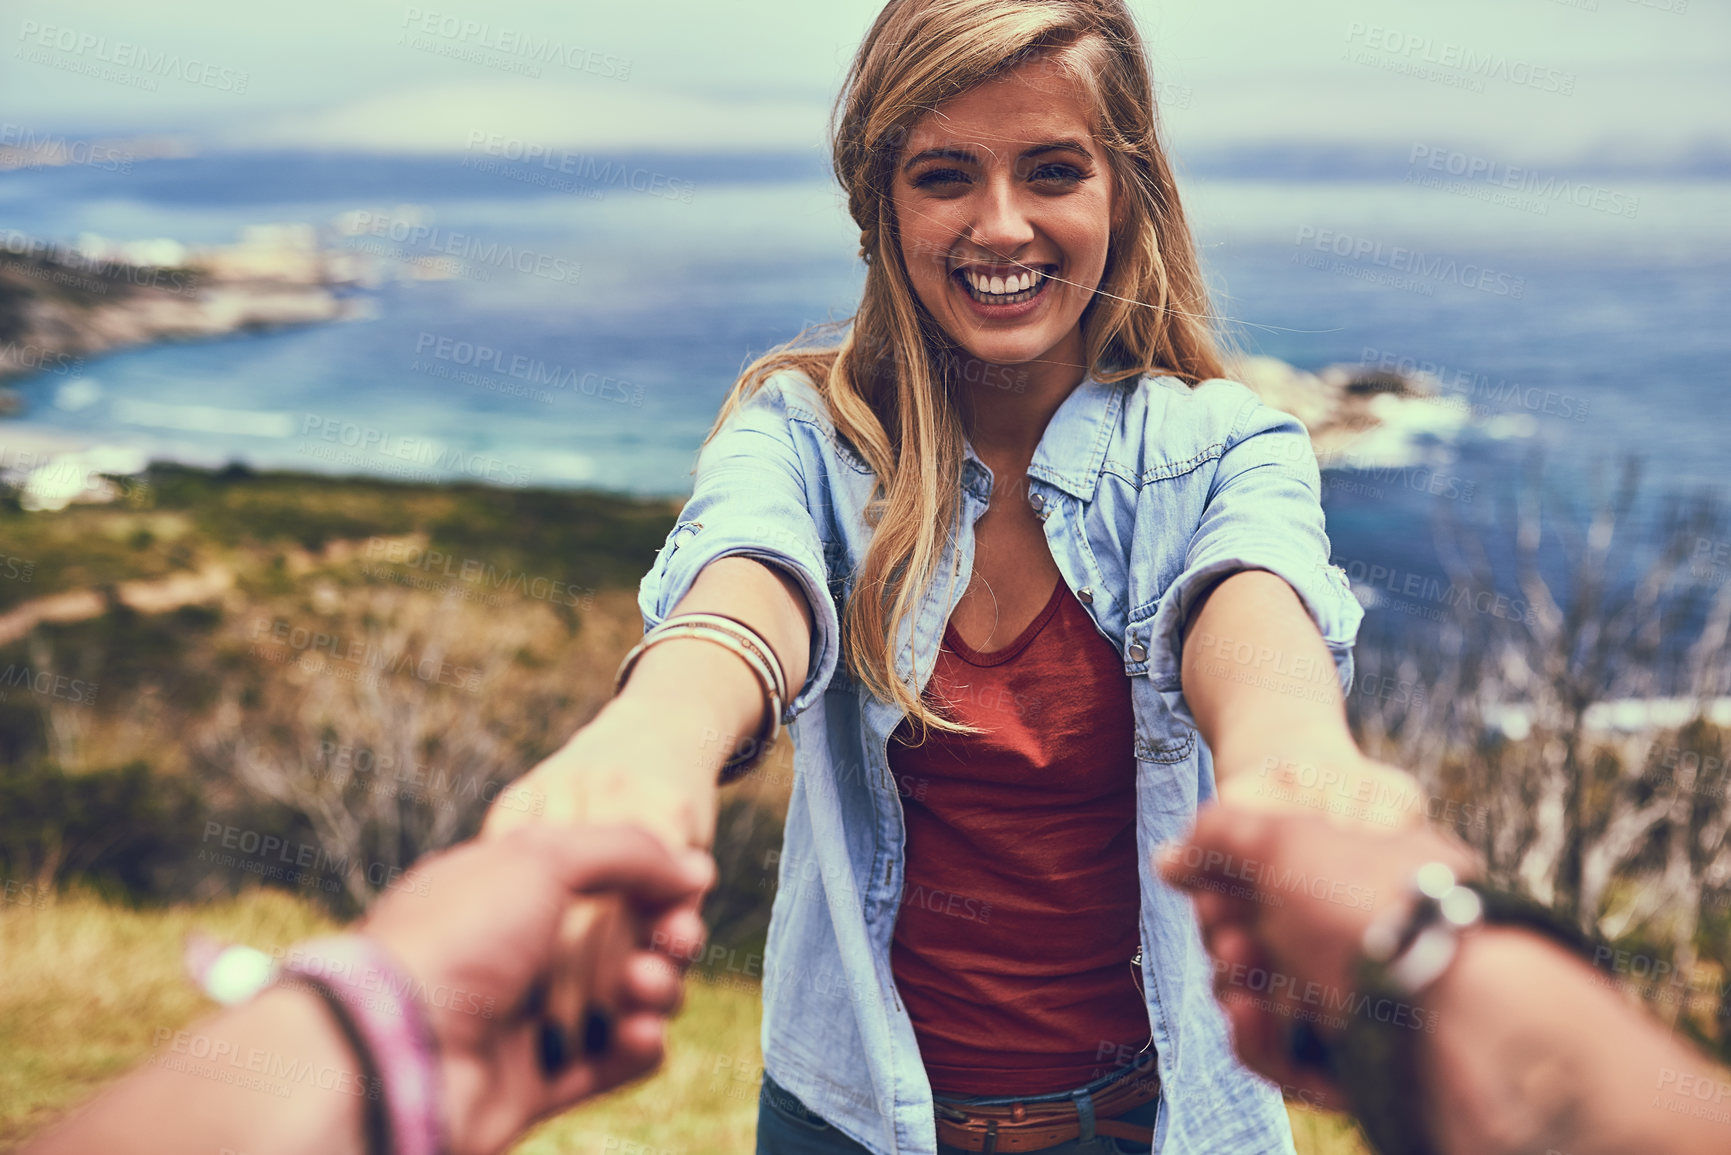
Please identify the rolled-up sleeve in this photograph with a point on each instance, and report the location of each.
(751, 499)
(1264, 512)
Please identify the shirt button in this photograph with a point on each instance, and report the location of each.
(1085, 595)
(1037, 501)
(1138, 652)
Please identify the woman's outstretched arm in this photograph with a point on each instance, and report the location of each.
(1263, 688)
(746, 545)
(652, 754)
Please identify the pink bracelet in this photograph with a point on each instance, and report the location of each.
(374, 1003)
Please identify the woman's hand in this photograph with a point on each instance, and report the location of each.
(643, 762)
(485, 922)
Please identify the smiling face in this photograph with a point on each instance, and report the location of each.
(1003, 203)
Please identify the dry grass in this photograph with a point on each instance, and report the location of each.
(84, 985)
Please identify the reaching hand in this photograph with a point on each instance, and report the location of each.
(615, 769)
(1284, 900)
(484, 922)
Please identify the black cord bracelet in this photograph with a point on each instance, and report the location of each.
(375, 1119)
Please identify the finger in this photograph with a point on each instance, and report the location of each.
(639, 1044)
(499, 822)
(679, 935)
(628, 859)
(649, 982)
(1220, 905)
(1263, 1042)
(1235, 954)
(1214, 908)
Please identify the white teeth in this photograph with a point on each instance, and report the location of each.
(1010, 286)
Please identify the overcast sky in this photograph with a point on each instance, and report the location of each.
(1647, 80)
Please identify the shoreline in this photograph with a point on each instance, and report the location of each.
(60, 305)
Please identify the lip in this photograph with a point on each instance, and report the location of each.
(1004, 312)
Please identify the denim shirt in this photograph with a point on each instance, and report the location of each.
(1150, 491)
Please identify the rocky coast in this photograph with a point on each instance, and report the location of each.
(61, 304)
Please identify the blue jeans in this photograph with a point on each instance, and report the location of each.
(786, 1126)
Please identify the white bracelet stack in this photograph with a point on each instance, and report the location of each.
(748, 645)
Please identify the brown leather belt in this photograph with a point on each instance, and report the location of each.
(1031, 1126)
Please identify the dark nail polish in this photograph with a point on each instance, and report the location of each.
(1307, 1048)
(552, 1047)
(597, 1032)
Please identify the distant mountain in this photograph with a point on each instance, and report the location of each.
(1363, 162)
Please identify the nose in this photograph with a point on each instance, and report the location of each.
(1001, 225)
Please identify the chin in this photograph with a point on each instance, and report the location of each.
(1018, 351)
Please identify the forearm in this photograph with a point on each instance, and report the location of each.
(1531, 1055)
(652, 755)
(1260, 681)
(717, 695)
(273, 1077)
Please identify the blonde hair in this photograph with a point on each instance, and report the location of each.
(889, 384)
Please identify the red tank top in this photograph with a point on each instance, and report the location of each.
(1018, 921)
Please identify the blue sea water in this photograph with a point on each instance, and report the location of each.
(1590, 336)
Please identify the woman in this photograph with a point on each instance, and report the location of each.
(1009, 547)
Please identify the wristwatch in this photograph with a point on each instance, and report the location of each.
(1403, 954)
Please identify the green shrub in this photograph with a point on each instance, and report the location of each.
(120, 830)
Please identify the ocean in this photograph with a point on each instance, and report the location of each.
(582, 331)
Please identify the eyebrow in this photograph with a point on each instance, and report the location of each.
(962, 154)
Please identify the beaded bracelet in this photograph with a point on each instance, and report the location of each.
(374, 1006)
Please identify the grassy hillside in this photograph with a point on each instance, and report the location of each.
(196, 604)
(286, 650)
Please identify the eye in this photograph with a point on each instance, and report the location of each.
(1057, 172)
(940, 178)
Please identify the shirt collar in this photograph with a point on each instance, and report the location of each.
(1073, 448)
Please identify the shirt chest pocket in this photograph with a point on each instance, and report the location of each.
(1166, 754)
